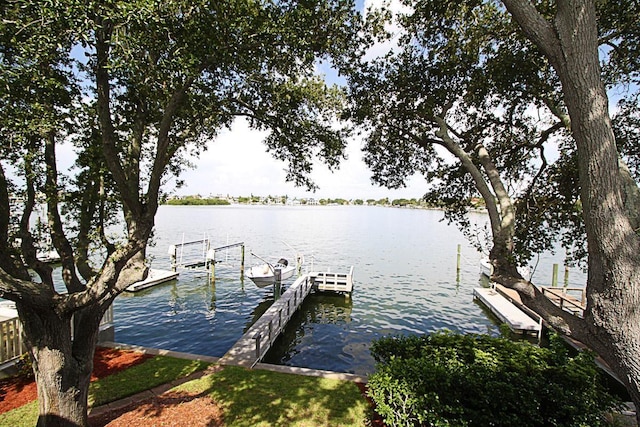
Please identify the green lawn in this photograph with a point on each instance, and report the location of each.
(153, 372)
(248, 397)
(265, 398)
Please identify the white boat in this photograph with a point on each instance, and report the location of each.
(155, 277)
(265, 274)
(486, 269)
(48, 256)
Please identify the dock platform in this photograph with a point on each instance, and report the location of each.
(507, 312)
(155, 277)
(333, 282)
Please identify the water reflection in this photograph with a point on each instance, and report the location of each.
(263, 306)
(321, 324)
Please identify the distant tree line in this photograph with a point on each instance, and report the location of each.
(194, 200)
(473, 203)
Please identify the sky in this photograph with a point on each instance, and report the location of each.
(237, 164)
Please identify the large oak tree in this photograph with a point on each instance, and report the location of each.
(521, 118)
(136, 86)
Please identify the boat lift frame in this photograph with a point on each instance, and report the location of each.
(205, 261)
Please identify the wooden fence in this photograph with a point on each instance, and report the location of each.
(11, 340)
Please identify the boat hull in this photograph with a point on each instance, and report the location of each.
(264, 277)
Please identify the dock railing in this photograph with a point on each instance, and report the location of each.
(334, 282)
(12, 344)
(282, 310)
(572, 300)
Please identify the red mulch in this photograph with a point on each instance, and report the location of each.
(15, 392)
(170, 409)
(377, 419)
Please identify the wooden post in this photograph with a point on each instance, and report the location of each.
(566, 275)
(277, 291)
(241, 260)
(258, 337)
(554, 277)
(173, 253)
(213, 265)
(458, 264)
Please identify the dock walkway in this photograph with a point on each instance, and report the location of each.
(506, 311)
(254, 344)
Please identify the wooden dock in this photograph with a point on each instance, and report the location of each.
(563, 298)
(517, 320)
(255, 343)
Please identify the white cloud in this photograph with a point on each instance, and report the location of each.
(237, 164)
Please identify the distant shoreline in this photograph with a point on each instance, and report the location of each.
(285, 201)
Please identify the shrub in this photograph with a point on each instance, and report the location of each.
(24, 367)
(447, 379)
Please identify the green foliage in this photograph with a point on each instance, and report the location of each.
(25, 367)
(459, 75)
(192, 200)
(447, 379)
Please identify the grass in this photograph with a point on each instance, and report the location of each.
(248, 397)
(152, 373)
(149, 374)
(265, 398)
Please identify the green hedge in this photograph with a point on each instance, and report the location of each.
(447, 379)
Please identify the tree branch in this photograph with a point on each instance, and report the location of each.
(465, 159)
(128, 191)
(58, 237)
(535, 27)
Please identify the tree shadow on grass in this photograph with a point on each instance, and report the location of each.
(258, 397)
(235, 396)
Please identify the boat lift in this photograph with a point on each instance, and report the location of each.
(199, 255)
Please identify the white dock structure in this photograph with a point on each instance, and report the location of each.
(155, 277)
(254, 344)
(333, 282)
(517, 320)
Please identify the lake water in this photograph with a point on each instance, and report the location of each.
(404, 269)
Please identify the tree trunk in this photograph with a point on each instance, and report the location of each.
(613, 282)
(62, 367)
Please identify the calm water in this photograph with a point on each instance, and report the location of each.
(405, 282)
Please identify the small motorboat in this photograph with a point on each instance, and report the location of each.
(486, 269)
(265, 274)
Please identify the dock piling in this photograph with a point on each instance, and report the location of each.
(242, 260)
(458, 263)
